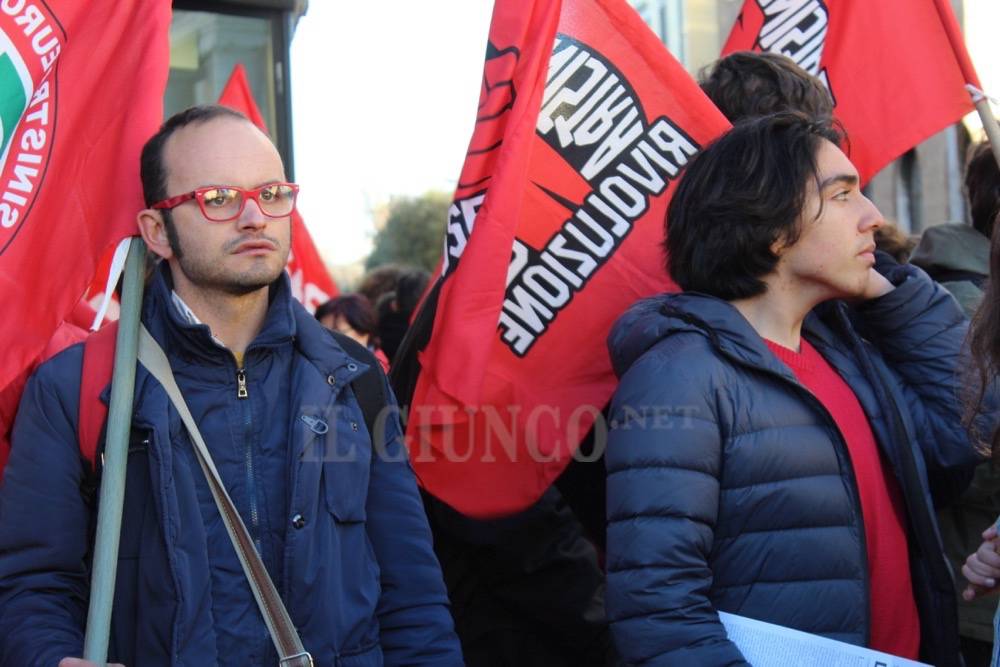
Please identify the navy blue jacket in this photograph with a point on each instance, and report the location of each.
(730, 487)
(339, 523)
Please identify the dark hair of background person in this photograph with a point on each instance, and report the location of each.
(395, 309)
(984, 347)
(153, 172)
(982, 186)
(355, 309)
(409, 288)
(380, 280)
(748, 83)
(891, 239)
(738, 197)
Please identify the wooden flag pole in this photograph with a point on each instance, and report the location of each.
(109, 517)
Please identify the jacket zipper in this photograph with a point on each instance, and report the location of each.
(241, 383)
(242, 393)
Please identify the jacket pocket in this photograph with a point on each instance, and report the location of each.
(345, 477)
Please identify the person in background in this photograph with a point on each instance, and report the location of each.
(749, 83)
(380, 280)
(352, 315)
(891, 240)
(958, 256)
(955, 254)
(395, 309)
(775, 423)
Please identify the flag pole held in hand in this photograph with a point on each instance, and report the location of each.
(112, 493)
(979, 99)
(989, 121)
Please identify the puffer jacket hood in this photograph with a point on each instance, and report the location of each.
(952, 246)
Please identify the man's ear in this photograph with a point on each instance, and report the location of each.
(780, 245)
(154, 232)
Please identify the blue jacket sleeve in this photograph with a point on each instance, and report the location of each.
(920, 330)
(663, 465)
(413, 612)
(44, 527)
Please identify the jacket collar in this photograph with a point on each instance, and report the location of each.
(656, 318)
(180, 335)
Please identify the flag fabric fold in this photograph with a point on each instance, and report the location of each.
(896, 69)
(82, 88)
(311, 282)
(585, 122)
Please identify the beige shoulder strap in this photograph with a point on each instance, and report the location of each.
(283, 633)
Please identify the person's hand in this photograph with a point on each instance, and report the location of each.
(982, 568)
(878, 285)
(80, 662)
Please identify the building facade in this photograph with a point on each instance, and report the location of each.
(921, 188)
(209, 37)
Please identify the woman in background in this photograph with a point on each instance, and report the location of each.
(352, 315)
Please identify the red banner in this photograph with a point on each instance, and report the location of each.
(897, 69)
(82, 89)
(311, 282)
(585, 121)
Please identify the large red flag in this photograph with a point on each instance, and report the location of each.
(311, 282)
(894, 71)
(585, 122)
(81, 89)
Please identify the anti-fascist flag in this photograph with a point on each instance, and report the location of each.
(311, 282)
(81, 89)
(585, 122)
(895, 76)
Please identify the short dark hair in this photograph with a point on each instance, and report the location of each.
(356, 310)
(749, 83)
(982, 185)
(739, 196)
(153, 172)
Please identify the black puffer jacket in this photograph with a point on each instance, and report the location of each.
(730, 487)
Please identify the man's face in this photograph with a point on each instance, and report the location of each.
(239, 256)
(834, 254)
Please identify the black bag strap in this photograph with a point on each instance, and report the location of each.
(369, 387)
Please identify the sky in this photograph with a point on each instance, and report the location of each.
(384, 97)
(980, 22)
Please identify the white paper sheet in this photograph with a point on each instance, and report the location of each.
(768, 645)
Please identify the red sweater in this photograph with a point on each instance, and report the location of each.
(895, 626)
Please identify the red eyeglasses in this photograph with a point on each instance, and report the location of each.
(222, 203)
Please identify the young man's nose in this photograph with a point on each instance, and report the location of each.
(872, 217)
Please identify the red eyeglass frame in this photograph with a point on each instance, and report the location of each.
(198, 195)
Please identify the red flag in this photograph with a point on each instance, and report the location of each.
(82, 89)
(896, 74)
(236, 94)
(584, 123)
(311, 282)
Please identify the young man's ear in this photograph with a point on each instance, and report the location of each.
(778, 247)
(154, 232)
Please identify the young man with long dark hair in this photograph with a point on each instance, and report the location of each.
(776, 422)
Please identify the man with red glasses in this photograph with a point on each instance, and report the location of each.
(333, 512)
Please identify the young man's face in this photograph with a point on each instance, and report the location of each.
(834, 254)
(241, 255)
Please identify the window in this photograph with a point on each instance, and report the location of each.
(206, 45)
